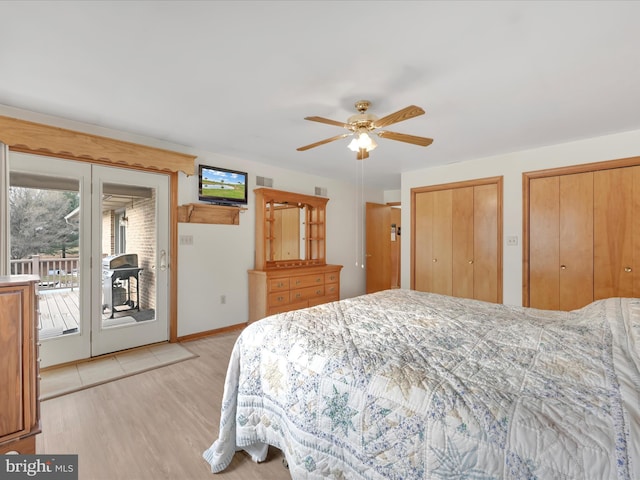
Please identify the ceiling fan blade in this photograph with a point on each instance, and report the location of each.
(399, 116)
(322, 142)
(403, 137)
(329, 122)
(362, 154)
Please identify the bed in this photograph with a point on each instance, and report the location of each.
(402, 384)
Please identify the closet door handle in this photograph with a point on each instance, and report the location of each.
(435, 260)
(470, 262)
(627, 269)
(563, 267)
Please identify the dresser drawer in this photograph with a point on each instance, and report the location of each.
(320, 300)
(287, 308)
(279, 298)
(301, 281)
(278, 284)
(332, 289)
(333, 277)
(305, 293)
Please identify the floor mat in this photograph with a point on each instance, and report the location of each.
(71, 378)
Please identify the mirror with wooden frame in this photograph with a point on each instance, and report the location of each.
(290, 229)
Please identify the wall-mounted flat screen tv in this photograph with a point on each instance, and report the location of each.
(222, 186)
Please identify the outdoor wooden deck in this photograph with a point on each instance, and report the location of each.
(59, 311)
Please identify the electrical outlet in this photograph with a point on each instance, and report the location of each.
(186, 239)
(512, 240)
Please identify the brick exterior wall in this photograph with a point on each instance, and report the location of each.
(141, 240)
(108, 234)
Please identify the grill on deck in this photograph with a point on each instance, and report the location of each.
(120, 283)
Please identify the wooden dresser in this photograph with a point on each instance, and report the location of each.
(19, 387)
(280, 290)
(291, 271)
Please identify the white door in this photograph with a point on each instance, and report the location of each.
(118, 211)
(130, 263)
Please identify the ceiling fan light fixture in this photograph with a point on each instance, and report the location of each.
(362, 141)
(353, 145)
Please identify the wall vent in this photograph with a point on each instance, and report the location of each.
(321, 191)
(264, 182)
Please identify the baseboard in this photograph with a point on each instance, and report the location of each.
(209, 333)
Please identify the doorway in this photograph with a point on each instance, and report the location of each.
(383, 246)
(100, 246)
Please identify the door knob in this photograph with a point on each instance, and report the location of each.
(563, 267)
(627, 269)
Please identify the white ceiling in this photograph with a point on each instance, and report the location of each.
(237, 78)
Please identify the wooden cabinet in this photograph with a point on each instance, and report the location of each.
(456, 240)
(291, 271)
(583, 234)
(281, 290)
(19, 407)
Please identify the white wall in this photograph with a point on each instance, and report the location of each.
(511, 166)
(217, 262)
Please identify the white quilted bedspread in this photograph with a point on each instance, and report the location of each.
(408, 385)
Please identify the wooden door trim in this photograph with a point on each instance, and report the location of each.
(452, 185)
(552, 172)
(499, 182)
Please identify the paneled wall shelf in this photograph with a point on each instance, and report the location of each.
(213, 214)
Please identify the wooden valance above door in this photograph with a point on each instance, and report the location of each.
(37, 138)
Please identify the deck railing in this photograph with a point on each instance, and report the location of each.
(53, 272)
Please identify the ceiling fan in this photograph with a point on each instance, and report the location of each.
(363, 124)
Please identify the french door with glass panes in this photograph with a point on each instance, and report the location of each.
(98, 238)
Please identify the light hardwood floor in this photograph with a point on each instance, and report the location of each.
(154, 425)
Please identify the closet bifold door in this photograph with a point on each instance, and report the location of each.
(561, 241)
(636, 231)
(613, 228)
(423, 253)
(576, 240)
(463, 237)
(433, 251)
(442, 242)
(544, 243)
(456, 239)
